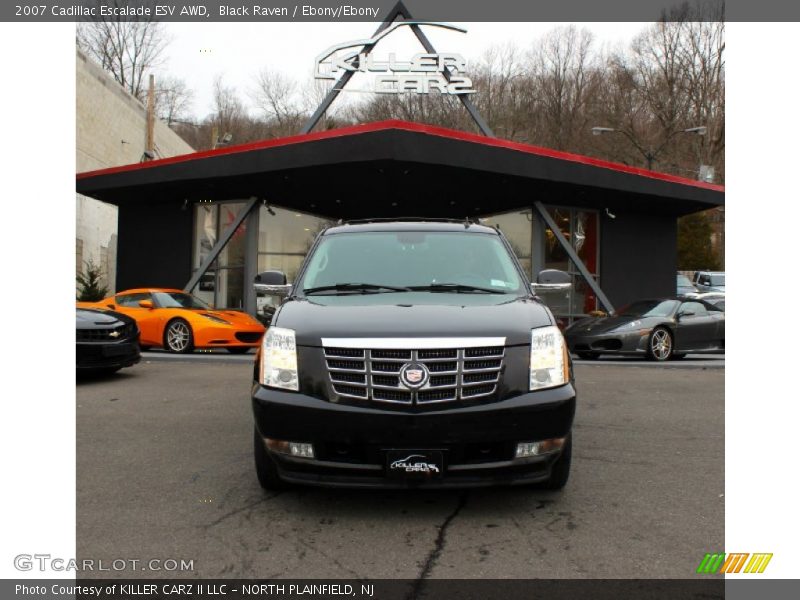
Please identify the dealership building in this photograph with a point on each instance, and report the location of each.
(209, 221)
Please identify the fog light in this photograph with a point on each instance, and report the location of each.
(298, 449)
(528, 449)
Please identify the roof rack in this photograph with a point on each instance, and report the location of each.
(467, 221)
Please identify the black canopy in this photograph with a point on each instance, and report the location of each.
(396, 168)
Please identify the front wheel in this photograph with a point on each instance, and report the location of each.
(660, 345)
(178, 337)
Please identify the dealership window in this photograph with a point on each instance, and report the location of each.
(284, 239)
(581, 229)
(222, 285)
(517, 227)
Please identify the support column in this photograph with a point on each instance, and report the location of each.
(538, 240)
(251, 260)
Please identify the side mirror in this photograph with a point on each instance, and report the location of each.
(146, 303)
(111, 306)
(272, 283)
(552, 279)
(687, 313)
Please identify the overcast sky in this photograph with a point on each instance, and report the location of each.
(201, 51)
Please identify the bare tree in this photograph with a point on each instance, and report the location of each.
(274, 95)
(564, 78)
(173, 100)
(128, 49)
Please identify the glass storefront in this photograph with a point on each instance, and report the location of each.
(222, 285)
(517, 227)
(285, 237)
(581, 229)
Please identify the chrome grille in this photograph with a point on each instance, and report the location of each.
(454, 373)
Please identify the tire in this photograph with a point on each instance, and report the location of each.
(588, 355)
(266, 471)
(559, 475)
(660, 344)
(178, 337)
(238, 350)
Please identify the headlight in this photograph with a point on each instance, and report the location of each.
(628, 326)
(216, 319)
(549, 358)
(279, 359)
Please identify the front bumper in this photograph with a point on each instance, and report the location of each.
(227, 336)
(116, 355)
(350, 442)
(634, 342)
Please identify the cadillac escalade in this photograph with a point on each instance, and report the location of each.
(412, 354)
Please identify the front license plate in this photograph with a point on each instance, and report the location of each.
(414, 464)
(120, 350)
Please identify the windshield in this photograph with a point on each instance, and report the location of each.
(387, 260)
(684, 281)
(718, 280)
(178, 300)
(649, 308)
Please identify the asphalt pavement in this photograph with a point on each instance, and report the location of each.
(164, 471)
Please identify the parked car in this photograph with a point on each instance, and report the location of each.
(105, 341)
(179, 322)
(660, 329)
(709, 281)
(412, 354)
(715, 298)
(684, 286)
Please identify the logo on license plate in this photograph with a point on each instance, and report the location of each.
(413, 464)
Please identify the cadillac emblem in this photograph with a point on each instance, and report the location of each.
(414, 375)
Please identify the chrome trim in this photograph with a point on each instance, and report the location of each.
(454, 387)
(413, 343)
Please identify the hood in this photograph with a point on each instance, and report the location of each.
(424, 315)
(98, 319)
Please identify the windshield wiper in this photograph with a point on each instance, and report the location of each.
(364, 288)
(453, 287)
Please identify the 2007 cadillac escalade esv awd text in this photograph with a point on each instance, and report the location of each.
(411, 354)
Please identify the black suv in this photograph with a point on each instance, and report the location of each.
(412, 354)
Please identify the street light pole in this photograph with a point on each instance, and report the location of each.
(648, 153)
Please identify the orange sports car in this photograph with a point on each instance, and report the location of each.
(179, 322)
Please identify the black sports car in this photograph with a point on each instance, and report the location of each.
(106, 341)
(659, 329)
